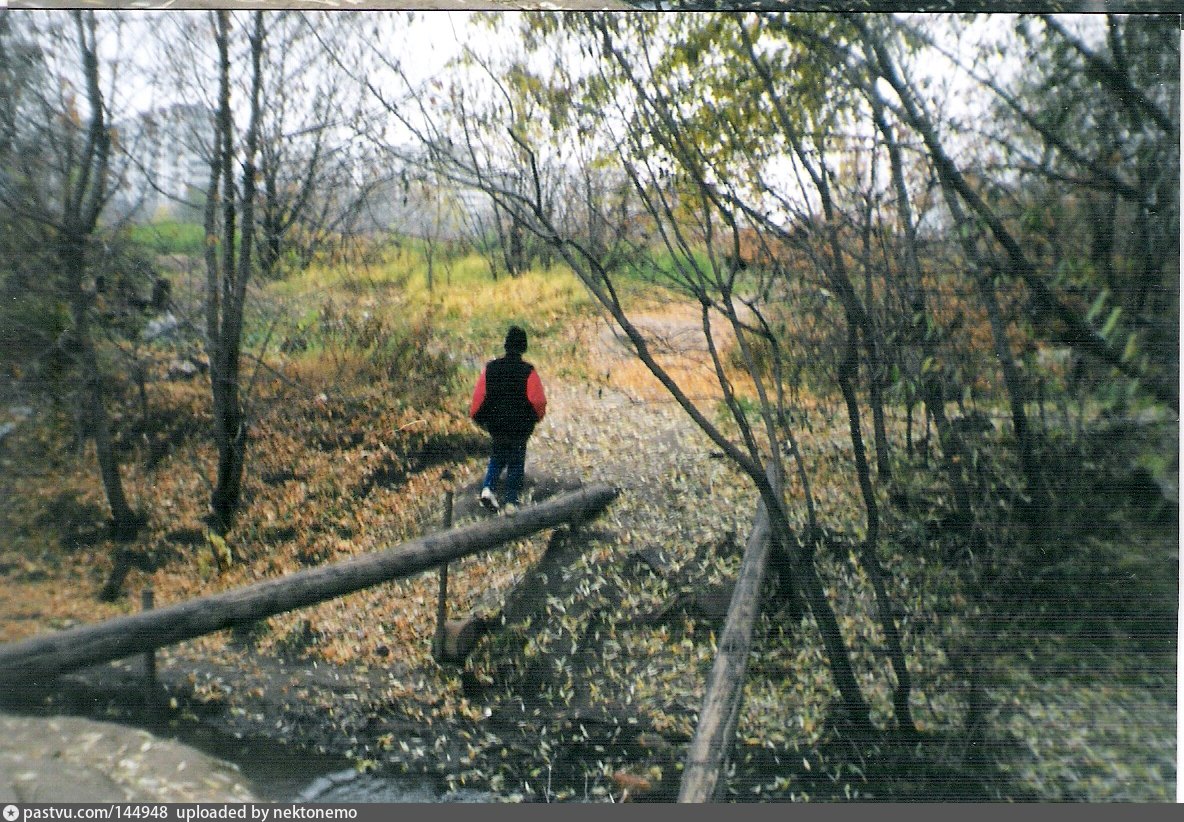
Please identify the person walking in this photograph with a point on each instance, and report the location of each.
(508, 402)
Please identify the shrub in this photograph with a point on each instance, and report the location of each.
(407, 356)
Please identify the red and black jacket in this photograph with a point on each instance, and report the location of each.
(508, 400)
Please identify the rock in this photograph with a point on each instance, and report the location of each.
(632, 785)
(52, 781)
(22, 413)
(71, 759)
(974, 422)
(182, 370)
(461, 637)
(161, 327)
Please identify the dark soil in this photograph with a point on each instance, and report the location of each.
(414, 456)
(283, 745)
(287, 722)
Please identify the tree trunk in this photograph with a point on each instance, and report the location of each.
(908, 427)
(84, 194)
(124, 522)
(874, 349)
(38, 660)
(517, 253)
(221, 293)
(797, 563)
(932, 393)
(952, 452)
(875, 385)
(1016, 393)
(1012, 383)
(230, 424)
(807, 581)
(869, 558)
(270, 222)
(503, 242)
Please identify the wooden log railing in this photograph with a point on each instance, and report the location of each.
(38, 660)
(707, 754)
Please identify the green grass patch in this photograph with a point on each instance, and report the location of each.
(169, 237)
(466, 306)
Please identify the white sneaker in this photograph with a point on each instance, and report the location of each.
(509, 509)
(488, 500)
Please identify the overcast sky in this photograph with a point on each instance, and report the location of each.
(433, 37)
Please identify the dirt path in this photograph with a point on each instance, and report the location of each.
(625, 429)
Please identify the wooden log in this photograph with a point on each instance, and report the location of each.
(707, 753)
(38, 660)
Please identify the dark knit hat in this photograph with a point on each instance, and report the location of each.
(515, 340)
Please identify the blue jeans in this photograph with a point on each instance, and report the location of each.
(509, 455)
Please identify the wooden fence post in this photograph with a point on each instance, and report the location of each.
(442, 598)
(147, 602)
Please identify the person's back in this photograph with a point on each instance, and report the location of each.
(508, 401)
(506, 409)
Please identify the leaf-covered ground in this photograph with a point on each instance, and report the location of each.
(594, 695)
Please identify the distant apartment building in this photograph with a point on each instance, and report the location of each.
(168, 165)
(419, 204)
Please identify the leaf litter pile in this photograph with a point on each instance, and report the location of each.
(588, 683)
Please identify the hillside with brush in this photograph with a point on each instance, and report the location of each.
(871, 339)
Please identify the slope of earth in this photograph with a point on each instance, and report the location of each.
(591, 690)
